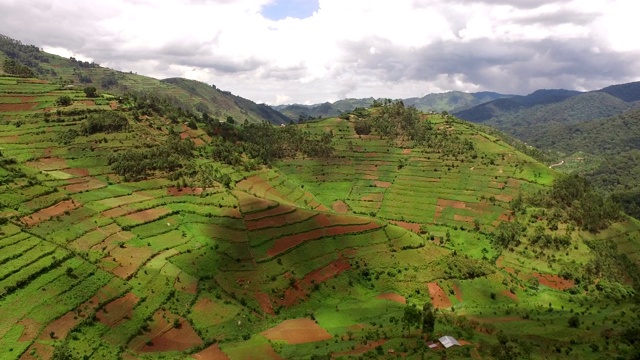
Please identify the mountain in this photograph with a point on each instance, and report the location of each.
(498, 107)
(606, 151)
(189, 95)
(453, 101)
(450, 102)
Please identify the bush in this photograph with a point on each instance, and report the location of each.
(64, 100)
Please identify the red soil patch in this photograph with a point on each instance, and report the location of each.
(452, 203)
(297, 331)
(148, 215)
(77, 172)
(371, 154)
(52, 211)
(279, 220)
(382, 184)
(438, 297)
(377, 197)
(115, 311)
(198, 142)
(287, 242)
(361, 349)
(393, 297)
(186, 283)
(86, 102)
(406, 151)
(278, 210)
(90, 184)
(213, 352)
(113, 105)
(174, 191)
(128, 260)
(164, 336)
(463, 218)
(301, 287)
(554, 281)
(407, 225)
(496, 185)
(117, 212)
(505, 217)
(370, 177)
(513, 183)
(50, 163)
(17, 107)
(504, 198)
(30, 331)
(510, 295)
(340, 207)
(265, 303)
(458, 293)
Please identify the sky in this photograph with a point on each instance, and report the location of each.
(311, 51)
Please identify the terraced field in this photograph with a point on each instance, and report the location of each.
(314, 256)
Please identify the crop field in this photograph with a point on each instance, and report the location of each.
(313, 256)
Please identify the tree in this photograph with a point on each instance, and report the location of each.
(574, 321)
(428, 318)
(412, 316)
(91, 91)
(64, 100)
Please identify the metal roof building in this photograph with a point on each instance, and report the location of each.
(448, 341)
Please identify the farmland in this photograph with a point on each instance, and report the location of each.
(306, 256)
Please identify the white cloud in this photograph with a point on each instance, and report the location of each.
(357, 48)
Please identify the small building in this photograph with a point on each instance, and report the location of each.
(448, 341)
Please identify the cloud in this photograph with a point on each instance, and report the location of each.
(344, 48)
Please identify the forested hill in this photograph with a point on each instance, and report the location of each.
(608, 154)
(192, 96)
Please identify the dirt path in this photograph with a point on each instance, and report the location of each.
(554, 165)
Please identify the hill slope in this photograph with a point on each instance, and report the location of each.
(135, 236)
(190, 95)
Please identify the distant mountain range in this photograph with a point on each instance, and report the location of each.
(450, 101)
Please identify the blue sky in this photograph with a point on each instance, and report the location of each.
(281, 9)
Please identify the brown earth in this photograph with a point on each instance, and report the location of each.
(438, 297)
(370, 177)
(301, 288)
(52, 211)
(128, 259)
(17, 107)
(30, 331)
(174, 191)
(213, 352)
(510, 295)
(265, 303)
(360, 349)
(89, 184)
(48, 163)
(117, 212)
(382, 184)
(278, 210)
(554, 281)
(458, 293)
(287, 242)
(407, 225)
(393, 297)
(376, 197)
(504, 198)
(468, 219)
(164, 336)
(297, 331)
(117, 310)
(340, 207)
(149, 214)
(406, 151)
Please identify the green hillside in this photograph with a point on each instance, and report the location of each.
(132, 229)
(189, 95)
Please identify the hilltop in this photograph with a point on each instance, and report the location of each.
(141, 230)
